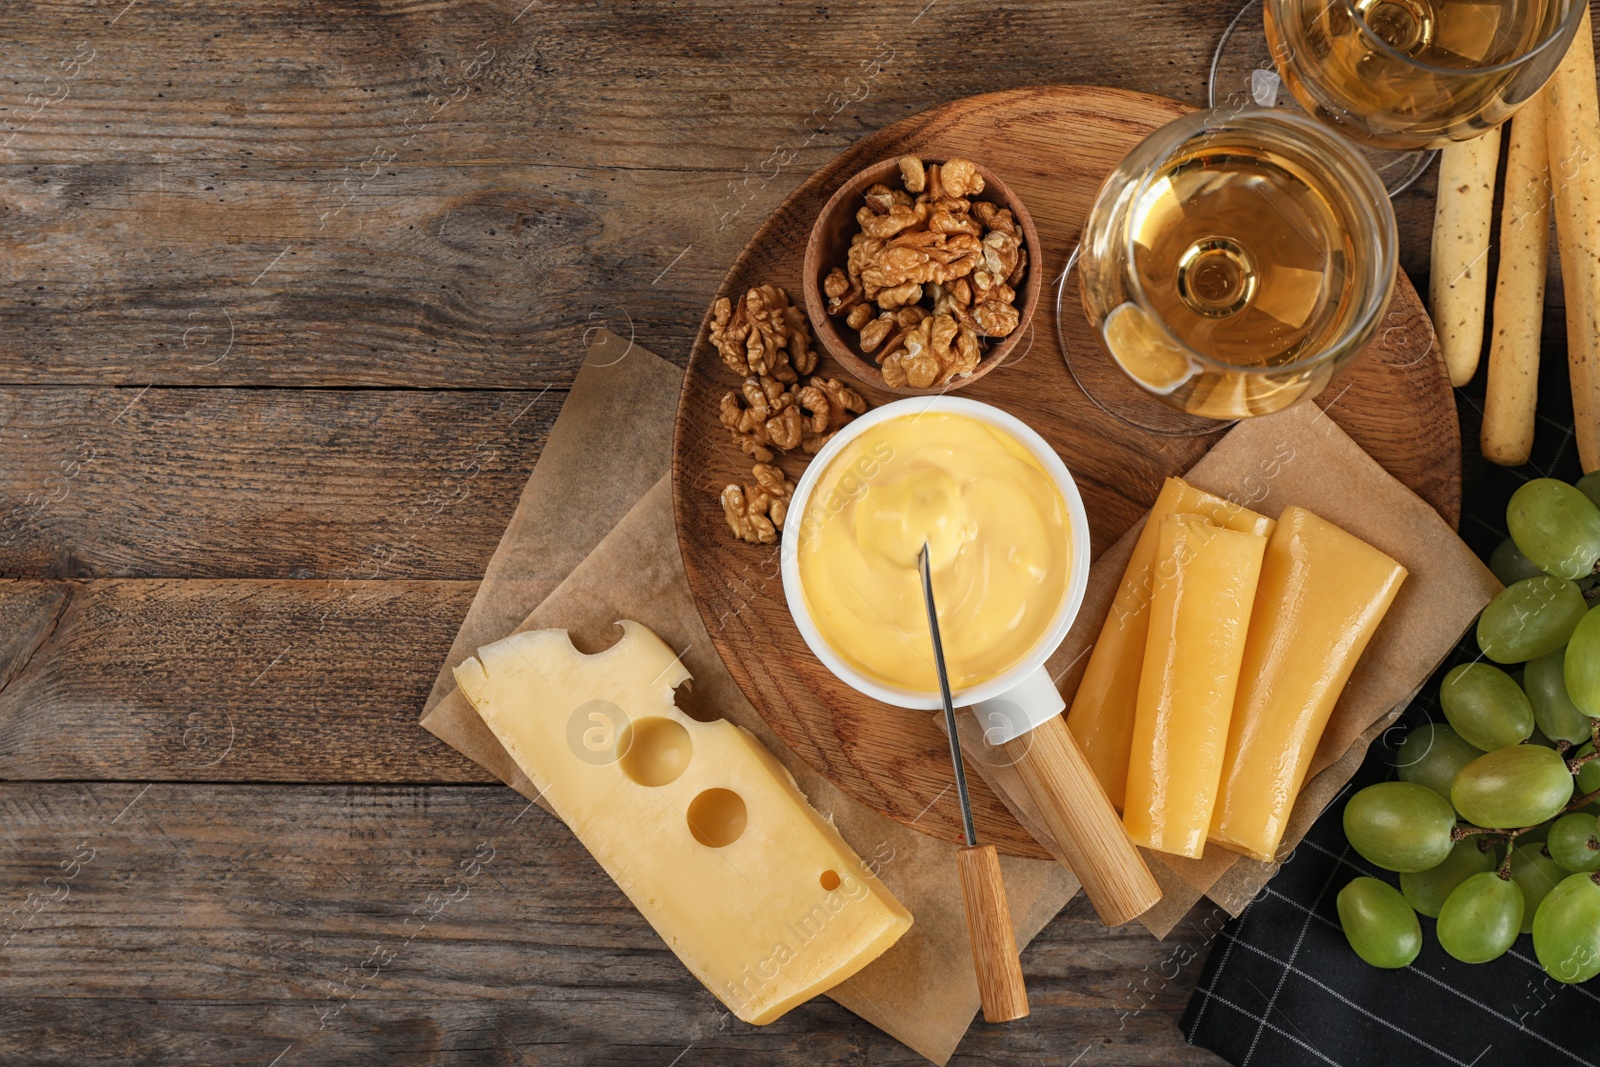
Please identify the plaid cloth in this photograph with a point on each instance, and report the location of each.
(1281, 986)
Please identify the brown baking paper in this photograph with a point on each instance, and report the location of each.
(610, 444)
(1298, 456)
(922, 991)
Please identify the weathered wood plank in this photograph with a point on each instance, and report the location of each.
(327, 484)
(605, 167)
(656, 84)
(233, 924)
(630, 1027)
(226, 680)
(463, 277)
(443, 277)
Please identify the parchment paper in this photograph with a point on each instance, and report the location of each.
(922, 991)
(610, 444)
(1297, 456)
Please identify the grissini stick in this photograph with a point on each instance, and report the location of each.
(1513, 390)
(1458, 284)
(1572, 124)
(983, 894)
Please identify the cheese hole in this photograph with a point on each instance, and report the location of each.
(830, 880)
(654, 750)
(717, 817)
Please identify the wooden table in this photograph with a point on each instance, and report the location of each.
(292, 295)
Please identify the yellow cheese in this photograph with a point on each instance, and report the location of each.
(697, 822)
(1101, 716)
(999, 550)
(1205, 581)
(1321, 595)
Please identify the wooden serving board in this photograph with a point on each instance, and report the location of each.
(1053, 146)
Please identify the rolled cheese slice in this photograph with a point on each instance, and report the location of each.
(1322, 594)
(1205, 583)
(1101, 716)
(696, 822)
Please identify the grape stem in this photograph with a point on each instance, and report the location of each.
(1577, 762)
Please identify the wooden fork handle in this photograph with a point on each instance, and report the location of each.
(994, 943)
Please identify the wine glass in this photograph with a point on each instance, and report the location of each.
(1233, 263)
(1395, 76)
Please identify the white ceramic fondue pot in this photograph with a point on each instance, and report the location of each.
(1012, 703)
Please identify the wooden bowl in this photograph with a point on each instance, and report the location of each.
(830, 242)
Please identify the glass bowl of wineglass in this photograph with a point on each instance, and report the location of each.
(1396, 76)
(1232, 263)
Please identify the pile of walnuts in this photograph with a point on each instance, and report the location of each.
(931, 276)
(781, 405)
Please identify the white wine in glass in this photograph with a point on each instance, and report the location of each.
(1404, 74)
(1234, 263)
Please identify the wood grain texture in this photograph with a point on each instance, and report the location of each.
(1001, 986)
(334, 485)
(621, 158)
(1080, 817)
(622, 155)
(422, 276)
(430, 925)
(1053, 146)
(208, 680)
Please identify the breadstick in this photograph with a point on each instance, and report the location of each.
(1508, 410)
(1572, 122)
(1459, 283)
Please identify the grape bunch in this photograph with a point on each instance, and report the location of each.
(1492, 826)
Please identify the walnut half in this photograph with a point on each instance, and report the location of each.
(763, 334)
(755, 513)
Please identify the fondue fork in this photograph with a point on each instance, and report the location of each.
(983, 893)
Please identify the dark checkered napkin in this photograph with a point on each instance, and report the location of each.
(1281, 986)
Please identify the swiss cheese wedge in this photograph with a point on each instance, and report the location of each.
(697, 822)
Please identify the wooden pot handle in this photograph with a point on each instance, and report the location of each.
(994, 943)
(1074, 806)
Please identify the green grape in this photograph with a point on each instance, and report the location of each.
(1556, 527)
(1511, 787)
(1566, 930)
(1510, 565)
(1432, 754)
(1400, 826)
(1589, 486)
(1427, 890)
(1485, 706)
(1530, 618)
(1536, 873)
(1557, 716)
(1581, 667)
(1481, 919)
(1589, 773)
(1379, 924)
(1573, 844)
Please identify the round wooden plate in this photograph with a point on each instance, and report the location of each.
(1053, 146)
